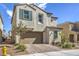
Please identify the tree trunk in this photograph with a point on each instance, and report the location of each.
(17, 39)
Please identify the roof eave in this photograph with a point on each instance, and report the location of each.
(42, 9)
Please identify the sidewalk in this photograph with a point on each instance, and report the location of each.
(0, 52)
(57, 53)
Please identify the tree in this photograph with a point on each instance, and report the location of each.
(21, 29)
(18, 30)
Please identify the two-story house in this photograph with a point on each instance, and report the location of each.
(1, 28)
(41, 25)
(71, 31)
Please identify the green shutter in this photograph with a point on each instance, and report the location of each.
(20, 14)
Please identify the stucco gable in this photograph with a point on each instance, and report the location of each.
(22, 5)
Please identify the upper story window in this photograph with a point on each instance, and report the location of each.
(49, 15)
(25, 14)
(40, 18)
(52, 19)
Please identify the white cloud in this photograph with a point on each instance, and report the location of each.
(9, 12)
(41, 5)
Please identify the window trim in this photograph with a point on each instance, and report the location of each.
(23, 14)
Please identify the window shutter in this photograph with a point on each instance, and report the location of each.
(20, 14)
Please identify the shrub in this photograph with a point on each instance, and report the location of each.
(58, 43)
(73, 45)
(20, 47)
(16, 44)
(67, 45)
(17, 47)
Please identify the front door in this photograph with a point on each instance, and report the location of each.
(78, 37)
(71, 37)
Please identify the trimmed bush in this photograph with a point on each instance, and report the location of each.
(58, 43)
(16, 44)
(17, 47)
(67, 45)
(73, 45)
(20, 47)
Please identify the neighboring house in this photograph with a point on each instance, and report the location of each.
(71, 31)
(9, 33)
(1, 28)
(41, 25)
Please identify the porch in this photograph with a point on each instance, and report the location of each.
(52, 35)
(74, 38)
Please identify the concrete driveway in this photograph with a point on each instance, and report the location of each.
(39, 48)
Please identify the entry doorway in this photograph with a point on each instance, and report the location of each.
(71, 38)
(78, 37)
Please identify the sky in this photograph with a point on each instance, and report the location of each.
(64, 11)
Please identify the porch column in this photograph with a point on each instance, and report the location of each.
(51, 34)
(75, 38)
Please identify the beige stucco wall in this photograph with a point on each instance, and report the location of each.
(46, 20)
(14, 24)
(45, 37)
(51, 23)
(34, 23)
(29, 24)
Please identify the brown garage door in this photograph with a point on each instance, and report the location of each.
(31, 37)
